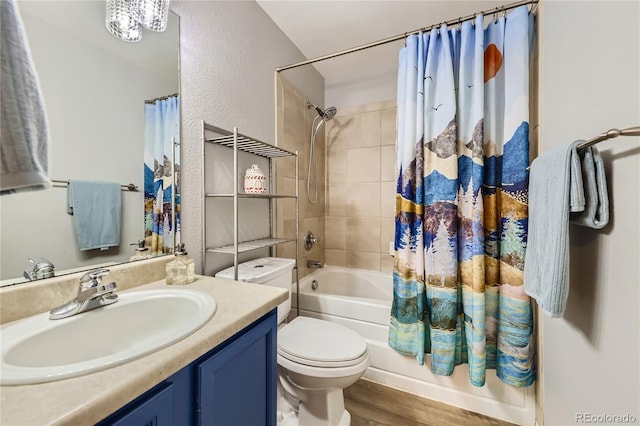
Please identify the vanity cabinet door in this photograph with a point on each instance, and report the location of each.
(154, 408)
(168, 404)
(234, 384)
(237, 384)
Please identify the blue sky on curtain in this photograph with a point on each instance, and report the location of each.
(461, 203)
(162, 127)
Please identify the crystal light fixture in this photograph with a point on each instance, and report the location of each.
(125, 18)
(153, 14)
(121, 20)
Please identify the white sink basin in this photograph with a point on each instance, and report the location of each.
(38, 350)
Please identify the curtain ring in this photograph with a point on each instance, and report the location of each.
(405, 39)
(534, 7)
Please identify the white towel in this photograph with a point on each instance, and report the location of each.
(24, 138)
(556, 196)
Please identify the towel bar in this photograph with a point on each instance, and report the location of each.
(128, 187)
(613, 133)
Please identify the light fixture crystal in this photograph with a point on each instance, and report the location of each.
(152, 14)
(125, 17)
(121, 20)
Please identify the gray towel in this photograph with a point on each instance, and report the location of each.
(24, 137)
(595, 211)
(563, 187)
(96, 208)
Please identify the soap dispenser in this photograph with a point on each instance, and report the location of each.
(181, 270)
(142, 252)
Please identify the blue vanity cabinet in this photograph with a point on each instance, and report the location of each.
(160, 406)
(237, 384)
(233, 384)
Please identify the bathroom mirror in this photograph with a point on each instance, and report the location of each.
(94, 87)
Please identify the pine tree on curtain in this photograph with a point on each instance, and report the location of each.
(461, 202)
(162, 127)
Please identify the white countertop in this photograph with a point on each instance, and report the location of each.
(90, 398)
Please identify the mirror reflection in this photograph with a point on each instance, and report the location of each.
(104, 98)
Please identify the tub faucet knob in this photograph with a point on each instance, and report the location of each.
(310, 240)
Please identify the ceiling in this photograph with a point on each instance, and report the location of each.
(320, 27)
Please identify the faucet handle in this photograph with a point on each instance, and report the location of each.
(42, 268)
(93, 278)
(310, 240)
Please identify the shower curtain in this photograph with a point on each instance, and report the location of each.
(162, 127)
(461, 202)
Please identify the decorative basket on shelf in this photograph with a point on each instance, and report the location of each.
(255, 181)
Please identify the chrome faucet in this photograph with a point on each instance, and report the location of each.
(315, 264)
(92, 293)
(310, 240)
(42, 268)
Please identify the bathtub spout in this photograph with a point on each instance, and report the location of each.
(315, 264)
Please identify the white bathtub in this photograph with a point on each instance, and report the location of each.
(361, 300)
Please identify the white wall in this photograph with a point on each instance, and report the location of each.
(590, 82)
(95, 109)
(228, 53)
(379, 88)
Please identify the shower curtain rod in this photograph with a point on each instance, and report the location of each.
(404, 35)
(161, 98)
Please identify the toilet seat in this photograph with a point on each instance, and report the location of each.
(321, 364)
(318, 343)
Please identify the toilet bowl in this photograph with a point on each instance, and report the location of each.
(316, 359)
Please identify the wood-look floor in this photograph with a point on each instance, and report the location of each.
(372, 404)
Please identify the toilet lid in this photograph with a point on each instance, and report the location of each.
(320, 342)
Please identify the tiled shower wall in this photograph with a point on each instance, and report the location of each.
(355, 164)
(293, 131)
(360, 193)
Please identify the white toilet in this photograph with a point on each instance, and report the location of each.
(316, 359)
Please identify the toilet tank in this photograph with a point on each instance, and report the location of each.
(273, 271)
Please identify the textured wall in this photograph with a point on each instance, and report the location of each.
(228, 53)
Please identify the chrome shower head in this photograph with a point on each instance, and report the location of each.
(327, 114)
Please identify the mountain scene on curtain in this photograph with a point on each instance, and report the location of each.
(461, 205)
(157, 204)
(162, 133)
